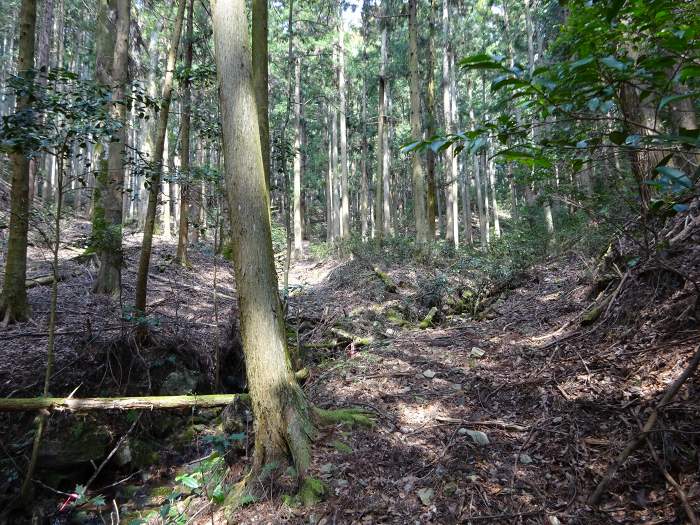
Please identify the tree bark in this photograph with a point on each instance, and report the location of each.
(154, 190)
(364, 177)
(380, 220)
(109, 280)
(59, 404)
(417, 175)
(344, 184)
(451, 173)
(298, 165)
(260, 78)
(13, 302)
(283, 426)
(185, 177)
(430, 124)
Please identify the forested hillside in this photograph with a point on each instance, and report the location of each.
(349, 261)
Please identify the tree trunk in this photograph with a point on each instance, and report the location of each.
(451, 172)
(494, 200)
(109, 280)
(298, 218)
(364, 178)
(283, 426)
(154, 190)
(381, 183)
(344, 184)
(185, 178)
(13, 302)
(430, 125)
(417, 175)
(260, 79)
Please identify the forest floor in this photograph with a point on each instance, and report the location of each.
(509, 416)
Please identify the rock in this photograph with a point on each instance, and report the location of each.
(92, 444)
(123, 455)
(478, 437)
(429, 374)
(462, 431)
(477, 353)
(525, 459)
(425, 495)
(178, 383)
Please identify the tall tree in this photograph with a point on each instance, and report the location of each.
(13, 302)
(283, 426)
(364, 177)
(449, 105)
(110, 246)
(430, 123)
(298, 163)
(417, 175)
(154, 190)
(260, 77)
(344, 183)
(185, 176)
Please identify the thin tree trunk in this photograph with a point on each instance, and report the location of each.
(283, 426)
(298, 239)
(430, 125)
(13, 302)
(451, 173)
(417, 175)
(344, 183)
(109, 280)
(154, 190)
(185, 178)
(364, 178)
(382, 155)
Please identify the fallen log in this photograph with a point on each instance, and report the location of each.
(117, 403)
(43, 280)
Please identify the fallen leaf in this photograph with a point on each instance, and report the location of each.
(477, 352)
(425, 495)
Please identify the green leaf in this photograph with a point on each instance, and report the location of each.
(617, 137)
(613, 63)
(188, 481)
(675, 175)
(672, 98)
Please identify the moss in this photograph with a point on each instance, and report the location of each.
(349, 416)
(143, 454)
(341, 447)
(312, 491)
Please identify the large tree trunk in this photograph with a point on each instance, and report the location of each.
(109, 280)
(283, 426)
(260, 79)
(154, 190)
(13, 302)
(417, 175)
(183, 226)
(381, 183)
(298, 166)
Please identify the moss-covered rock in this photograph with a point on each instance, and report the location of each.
(312, 491)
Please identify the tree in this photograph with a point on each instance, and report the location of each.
(283, 425)
(154, 189)
(417, 175)
(449, 105)
(13, 302)
(185, 175)
(344, 183)
(298, 161)
(260, 78)
(110, 245)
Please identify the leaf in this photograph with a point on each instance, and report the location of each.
(411, 146)
(477, 352)
(617, 137)
(425, 495)
(672, 98)
(613, 63)
(613, 9)
(675, 175)
(478, 437)
(680, 208)
(188, 481)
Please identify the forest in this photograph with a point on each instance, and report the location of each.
(349, 261)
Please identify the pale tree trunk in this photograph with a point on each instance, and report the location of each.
(330, 221)
(110, 249)
(494, 199)
(298, 167)
(345, 188)
(13, 302)
(260, 78)
(164, 202)
(483, 229)
(382, 172)
(154, 190)
(44, 43)
(283, 426)
(364, 178)
(417, 175)
(466, 202)
(335, 186)
(451, 173)
(185, 178)
(388, 214)
(430, 124)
